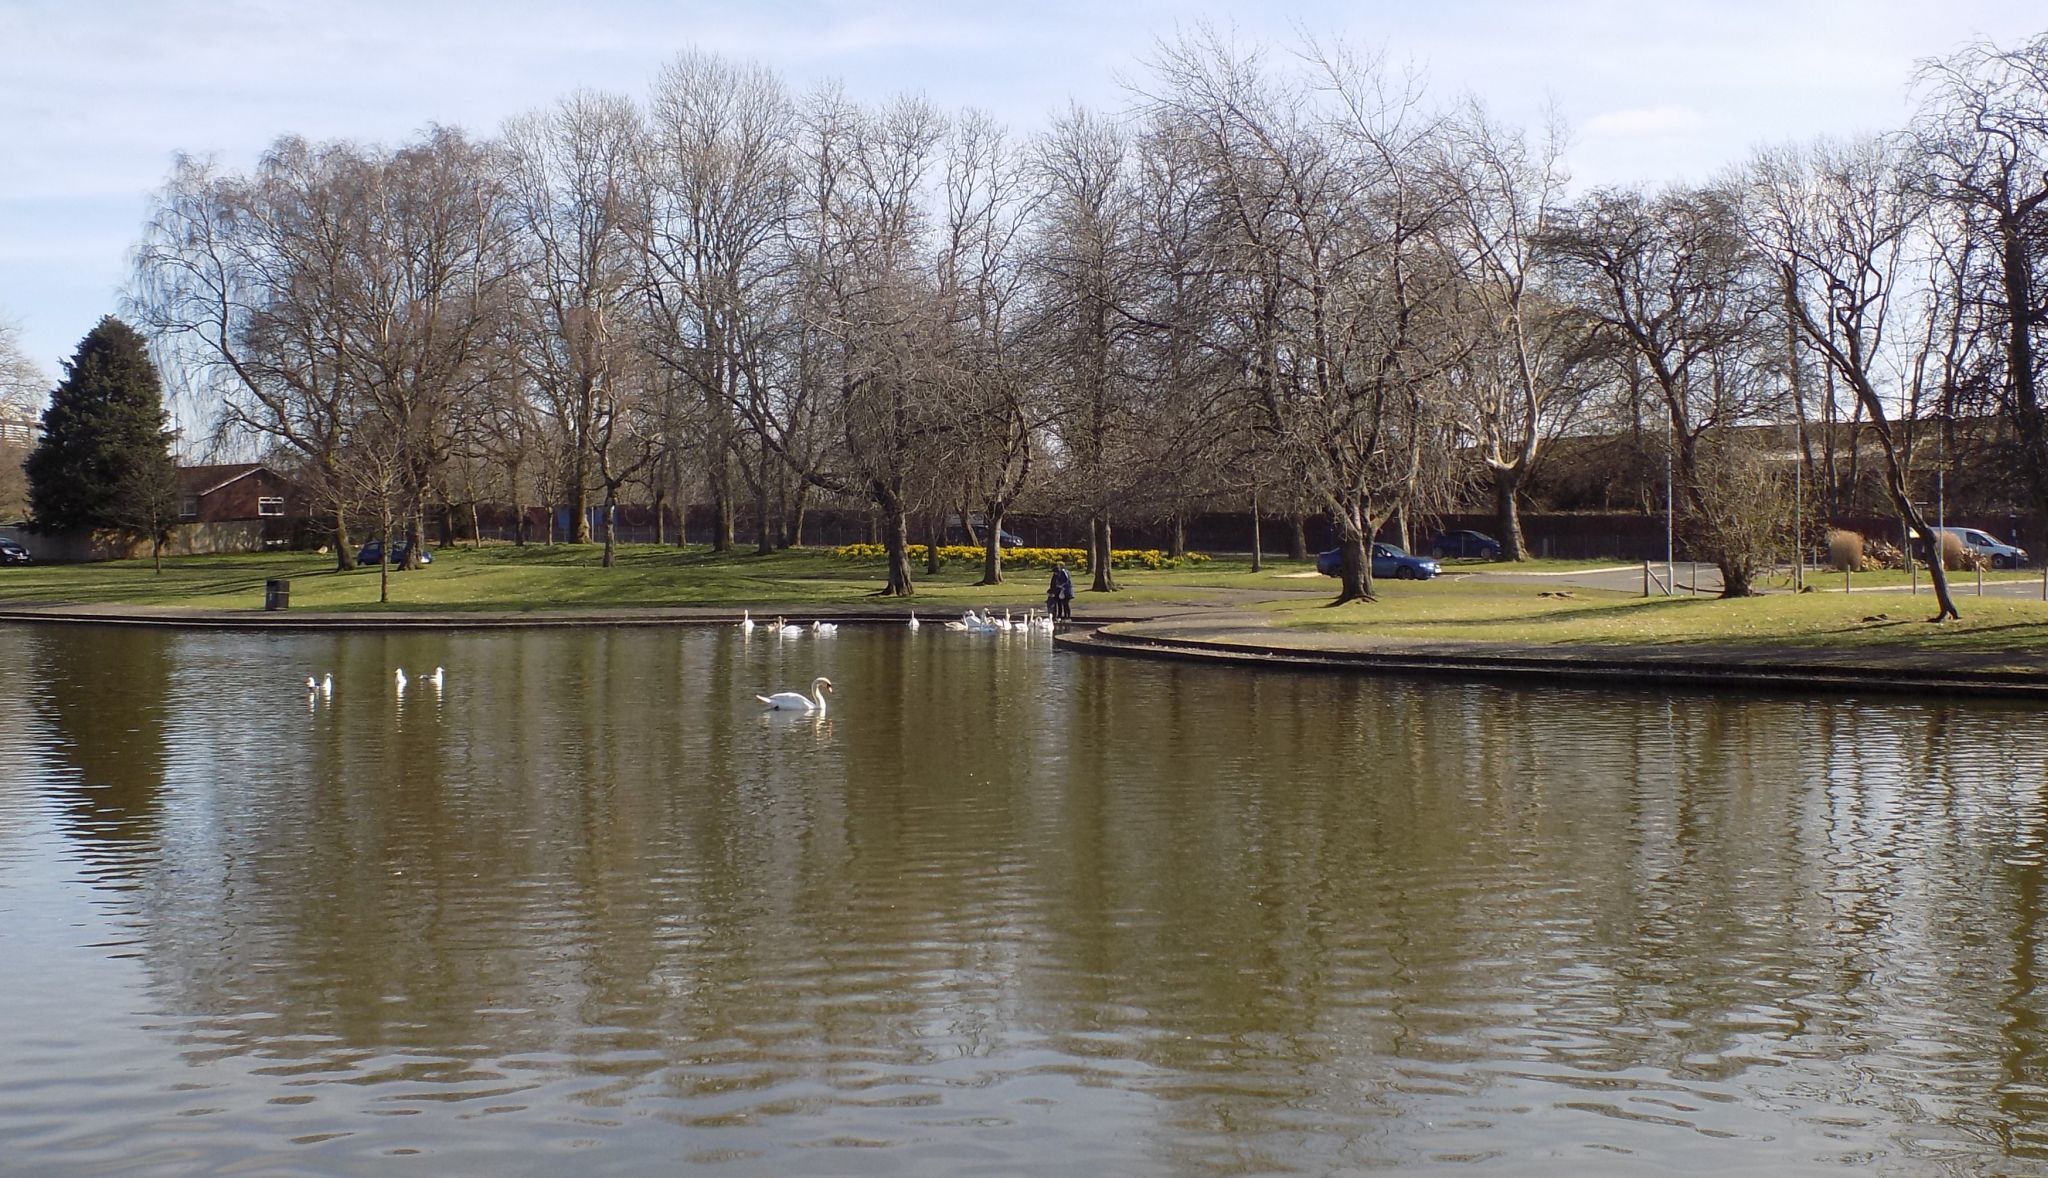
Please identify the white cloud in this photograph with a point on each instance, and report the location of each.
(1649, 120)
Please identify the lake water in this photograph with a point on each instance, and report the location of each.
(1001, 911)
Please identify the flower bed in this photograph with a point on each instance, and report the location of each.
(1028, 558)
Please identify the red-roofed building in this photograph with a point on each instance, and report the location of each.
(235, 507)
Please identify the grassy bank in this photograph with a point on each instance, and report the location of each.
(504, 578)
(569, 576)
(1522, 614)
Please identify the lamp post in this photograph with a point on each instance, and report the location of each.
(1670, 549)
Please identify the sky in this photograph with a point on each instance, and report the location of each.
(97, 96)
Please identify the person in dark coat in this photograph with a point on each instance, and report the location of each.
(1059, 596)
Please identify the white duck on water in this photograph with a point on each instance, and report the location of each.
(795, 701)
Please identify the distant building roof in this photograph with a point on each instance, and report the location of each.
(205, 480)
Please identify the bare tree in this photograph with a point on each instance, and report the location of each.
(1083, 265)
(572, 186)
(1512, 391)
(1843, 223)
(246, 279)
(868, 305)
(1983, 131)
(718, 186)
(1675, 282)
(1333, 268)
(23, 386)
(989, 394)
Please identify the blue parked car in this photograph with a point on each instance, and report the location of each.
(1388, 560)
(1465, 543)
(373, 552)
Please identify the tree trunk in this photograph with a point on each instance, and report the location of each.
(1734, 579)
(344, 552)
(1507, 514)
(896, 540)
(415, 535)
(1297, 537)
(1177, 542)
(721, 507)
(476, 525)
(579, 503)
(1258, 557)
(1354, 543)
(611, 525)
(1355, 577)
(935, 528)
(1101, 554)
(519, 525)
(992, 550)
(764, 535)
(799, 506)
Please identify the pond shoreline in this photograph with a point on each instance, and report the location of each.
(1220, 638)
(1242, 641)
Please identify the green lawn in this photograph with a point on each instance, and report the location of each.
(568, 576)
(1518, 613)
(512, 579)
(1964, 583)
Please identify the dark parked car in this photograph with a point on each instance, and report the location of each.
(1465, 543)
(12, 553)
(1388, 560)
(373, 553)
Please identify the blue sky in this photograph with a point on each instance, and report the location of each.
(97, 95)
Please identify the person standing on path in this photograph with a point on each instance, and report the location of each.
(1059, 596)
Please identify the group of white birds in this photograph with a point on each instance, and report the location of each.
(982, 622)
(323, 687)
(787, 629)
(976, 621)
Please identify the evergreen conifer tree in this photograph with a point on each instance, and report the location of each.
(104, 461)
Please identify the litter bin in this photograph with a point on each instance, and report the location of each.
(277, 594)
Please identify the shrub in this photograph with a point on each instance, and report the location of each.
(1956, 555)
(1845, 550)
(1877, 554)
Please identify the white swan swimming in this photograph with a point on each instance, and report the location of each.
(327, 685)
(312, 685)
(913, 619)
(435, 678)
(824, 629)
(794, 701)
(401, 680)
(786, 629)
(746, 622)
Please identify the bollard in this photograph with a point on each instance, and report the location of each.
(277, 595)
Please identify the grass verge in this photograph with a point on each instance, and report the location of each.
(2005, 631)
(569, 576)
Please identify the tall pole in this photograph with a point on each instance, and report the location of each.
(1798, 522)
(1670, 548)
